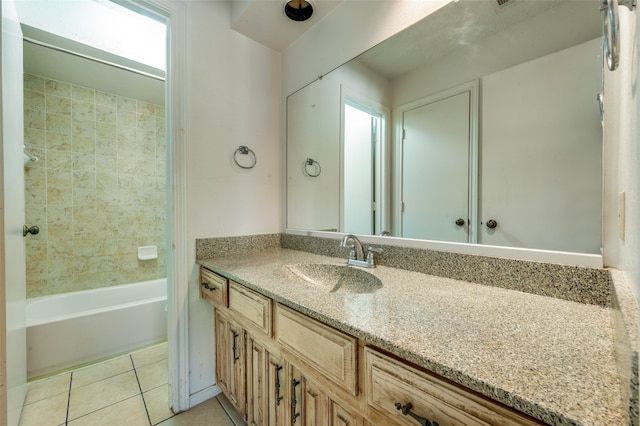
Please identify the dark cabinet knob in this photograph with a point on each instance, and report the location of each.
(460, 222)
(491, 224)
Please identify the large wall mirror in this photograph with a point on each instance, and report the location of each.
(479, 124)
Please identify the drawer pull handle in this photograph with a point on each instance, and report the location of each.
(208, 287)
(278, 396)
(294, 401)
(406, 410)
(236, 357)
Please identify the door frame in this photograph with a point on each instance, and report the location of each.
(473, 87)
(174, 15)
(382, 188)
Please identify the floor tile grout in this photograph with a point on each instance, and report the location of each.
(144, 402)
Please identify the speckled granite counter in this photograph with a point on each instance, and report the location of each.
(550, 358)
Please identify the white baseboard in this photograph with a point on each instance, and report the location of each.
(203, 395)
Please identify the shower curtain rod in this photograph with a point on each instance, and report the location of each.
(91, 58)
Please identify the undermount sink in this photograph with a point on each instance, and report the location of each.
(334, 278)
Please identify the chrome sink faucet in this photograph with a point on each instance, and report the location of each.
(356, 253)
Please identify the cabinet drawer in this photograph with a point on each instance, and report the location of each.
(389, 382)
(252, 306)
(329, 351)
(213, 287)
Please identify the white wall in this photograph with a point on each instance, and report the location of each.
(313, 131)
(232, 98)
(622, 106)
(541, 153)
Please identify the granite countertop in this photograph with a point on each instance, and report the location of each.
(550, 358)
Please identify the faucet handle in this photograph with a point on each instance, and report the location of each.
(351, 247)
(370, 251)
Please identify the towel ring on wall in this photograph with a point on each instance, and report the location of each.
(611, 30)
(610, 34)
(243, 150)
(316, 168)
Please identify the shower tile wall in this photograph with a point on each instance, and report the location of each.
(98, 190)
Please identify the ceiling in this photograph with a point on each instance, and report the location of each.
(59, 58)
(265, 22)
(461, 25)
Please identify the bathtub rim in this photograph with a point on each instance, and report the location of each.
(30, 322)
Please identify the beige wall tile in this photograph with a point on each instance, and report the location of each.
(86, 128)
(126, 104)
(33, 100)
(58, 141)
(58, 105)
(34, 119)
(35, 195)
(58, 123)
(84, 111)
(107, 99)
(35, 83)
(35, 177)
(83, 94)
(97, 188)
(57, 88)
(59, 159)
(84, 144)
(60, 178)
(59, 196)
(34, 137)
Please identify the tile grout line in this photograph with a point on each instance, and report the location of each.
(135, 371)
(66, 417)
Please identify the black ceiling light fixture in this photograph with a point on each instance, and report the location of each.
(298, 10)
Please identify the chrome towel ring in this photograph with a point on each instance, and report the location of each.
(243, 150)
(611, 30)
(315, 171)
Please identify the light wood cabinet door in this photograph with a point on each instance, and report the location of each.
(309, 403)
(256, 384)
(222, 363)
(340, 416)
(266, 403)
(276, 400)
(230, 361)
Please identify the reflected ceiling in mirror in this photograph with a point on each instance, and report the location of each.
(522, 80)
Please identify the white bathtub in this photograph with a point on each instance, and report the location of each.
(66, 330)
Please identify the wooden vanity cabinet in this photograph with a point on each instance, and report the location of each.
(266, 385)
(230, 360)
(279, 367)
(213, 288)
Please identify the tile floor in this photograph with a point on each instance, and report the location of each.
(130, 389)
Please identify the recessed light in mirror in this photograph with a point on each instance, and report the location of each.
(298, 10)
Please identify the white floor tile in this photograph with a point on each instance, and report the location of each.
(95, 396)
(130, 412)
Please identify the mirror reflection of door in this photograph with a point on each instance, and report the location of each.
(362, 139)
(435, 169)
